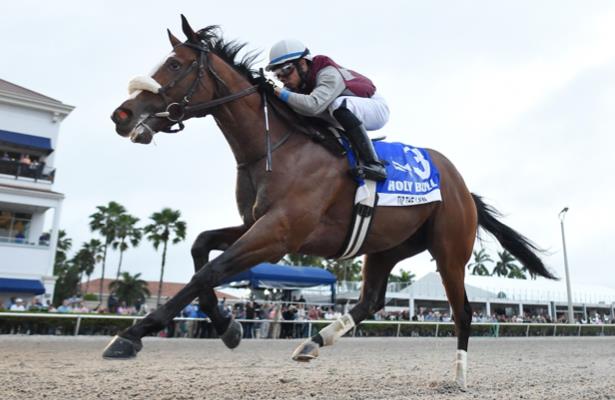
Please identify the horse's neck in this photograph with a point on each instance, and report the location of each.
(243, 123)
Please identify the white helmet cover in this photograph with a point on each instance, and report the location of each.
(287, 50)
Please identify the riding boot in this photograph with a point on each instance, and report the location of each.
(370, 167)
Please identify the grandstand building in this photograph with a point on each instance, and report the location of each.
(488, 296)
(29, 207)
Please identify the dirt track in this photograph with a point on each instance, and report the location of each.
(43, 367)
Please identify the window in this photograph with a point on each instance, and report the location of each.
(14, 226)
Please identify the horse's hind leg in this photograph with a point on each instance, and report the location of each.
(451, 265)
(376, 270)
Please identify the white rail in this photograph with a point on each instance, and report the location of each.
(436, 326)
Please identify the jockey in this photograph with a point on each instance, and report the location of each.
(316, 86)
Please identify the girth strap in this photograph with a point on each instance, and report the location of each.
(361, 220)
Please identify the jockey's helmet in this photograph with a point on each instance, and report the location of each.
(287, 50)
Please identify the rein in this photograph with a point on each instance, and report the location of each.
(178, 112)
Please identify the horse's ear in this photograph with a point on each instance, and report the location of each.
(188, 31)
(174, 41)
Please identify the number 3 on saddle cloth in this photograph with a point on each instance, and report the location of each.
(412, 179)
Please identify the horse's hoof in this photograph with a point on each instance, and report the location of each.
(232, 336)
(306, 351)
(121, 348)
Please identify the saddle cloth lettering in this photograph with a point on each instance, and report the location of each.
(412, 178)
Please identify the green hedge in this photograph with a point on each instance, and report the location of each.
(567, 330)
(418, 330)
(37, 326)
(541, 330)
(93, 326)
(376, 330)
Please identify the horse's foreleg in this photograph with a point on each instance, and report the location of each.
(266, 240)
(219, 239)
(376, 271)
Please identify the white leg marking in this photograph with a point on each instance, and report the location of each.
(461, 369)
(332, 332)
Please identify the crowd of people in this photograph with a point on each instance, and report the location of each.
(26, 162)
(270, 319)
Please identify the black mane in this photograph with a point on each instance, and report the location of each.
(211, 36)
(228, 51)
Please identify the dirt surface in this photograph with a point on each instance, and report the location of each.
(46, 367)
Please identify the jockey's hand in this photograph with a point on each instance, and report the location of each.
(265, 85)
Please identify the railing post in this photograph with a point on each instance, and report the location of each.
(527, 331)
(398, 328)
(437, 328)
(554, 329)
(77, 325)
(579, 333)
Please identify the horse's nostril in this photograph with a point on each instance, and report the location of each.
(121, 116)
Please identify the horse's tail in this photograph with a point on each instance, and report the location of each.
(517, 244)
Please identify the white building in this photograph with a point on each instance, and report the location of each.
(29, 130)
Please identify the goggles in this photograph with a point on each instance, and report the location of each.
(284, 71)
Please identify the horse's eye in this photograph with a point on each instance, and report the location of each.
(174, 66)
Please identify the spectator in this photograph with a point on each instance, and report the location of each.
(123, 309)
(20, 237)
(36, 305)
(6, 157)
(79, 308)
(65, 307)
(25, 159)
(44, 239)
(248, 327)
(18, 306)
(112, 303)
(313, 313)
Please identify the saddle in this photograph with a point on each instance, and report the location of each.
(318, 130)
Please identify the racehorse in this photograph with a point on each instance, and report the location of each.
(303, 205)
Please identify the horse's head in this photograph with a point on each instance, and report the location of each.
(159, 101)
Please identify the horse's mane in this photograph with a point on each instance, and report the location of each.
(228, 51)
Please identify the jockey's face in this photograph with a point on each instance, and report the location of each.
(289, 75)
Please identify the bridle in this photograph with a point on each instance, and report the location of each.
(177, 112)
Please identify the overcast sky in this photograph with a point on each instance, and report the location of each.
(519, 95)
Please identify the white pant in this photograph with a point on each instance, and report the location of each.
(372, 111)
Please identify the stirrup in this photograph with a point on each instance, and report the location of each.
(375, 172)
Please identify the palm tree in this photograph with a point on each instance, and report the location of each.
(126, 233)
(166, 226)
(516, 272)
(478, 266)
(505, 264)
(345, 270)
(67, 277)
(104, 221)
(303, 260)
(130, 289)
(63, 246)
(91, 253)
(403, 277)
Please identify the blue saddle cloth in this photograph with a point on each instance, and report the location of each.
(412, 178)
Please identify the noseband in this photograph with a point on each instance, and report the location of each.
(177, 112)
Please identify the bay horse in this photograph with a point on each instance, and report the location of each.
(303, 205)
